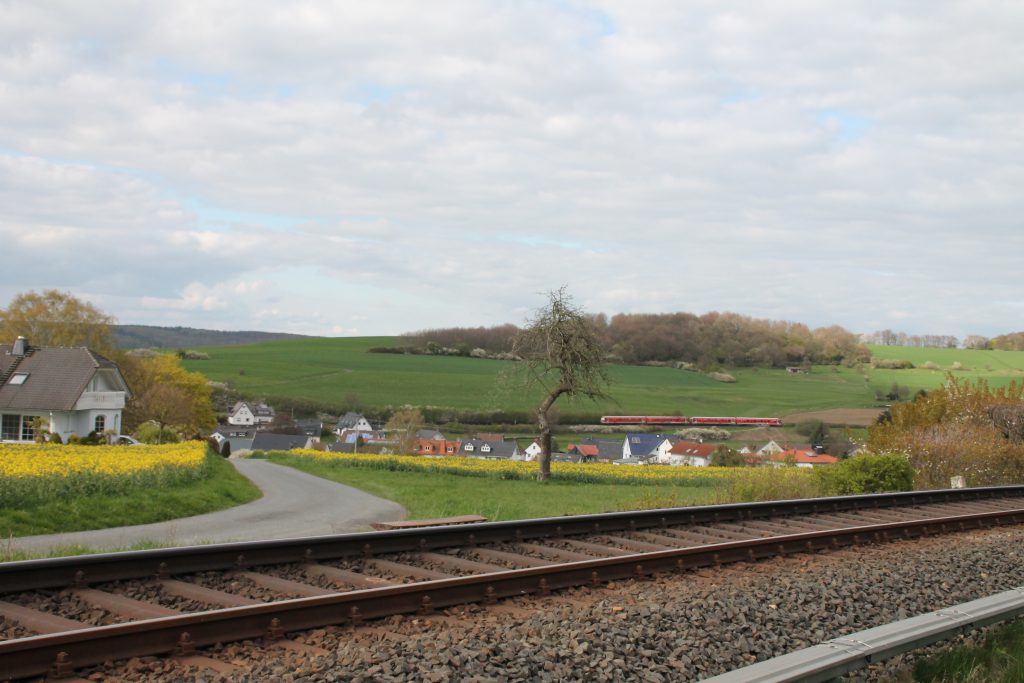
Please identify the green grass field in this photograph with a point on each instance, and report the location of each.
(329, 370)
(428, 495)
(998, 368)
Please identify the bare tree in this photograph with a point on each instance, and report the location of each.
(402, 428)
(562, 355)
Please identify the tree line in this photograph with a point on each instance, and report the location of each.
(708, 340)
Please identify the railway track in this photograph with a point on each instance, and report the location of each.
(61, 614)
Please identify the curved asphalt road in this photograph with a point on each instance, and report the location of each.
(293, 504)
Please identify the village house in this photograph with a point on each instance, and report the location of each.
(593, 449)
(352, 422)
(638, 446)
(501, 449)
(436, 447)
(74, 391)
(800, 458)
(244, 413)
(238, 437)
(687, 453)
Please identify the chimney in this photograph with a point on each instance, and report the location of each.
(20, 346)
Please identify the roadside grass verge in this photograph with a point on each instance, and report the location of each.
(428, 495)
(444, 487)
(220, 487)
(999, 658)
(9, 554)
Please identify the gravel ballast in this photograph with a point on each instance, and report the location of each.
(674, 628)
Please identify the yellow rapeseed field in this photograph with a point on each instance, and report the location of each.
(594, 473)
(32, 473)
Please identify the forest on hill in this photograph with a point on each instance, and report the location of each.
(708, 340)
(154, 337)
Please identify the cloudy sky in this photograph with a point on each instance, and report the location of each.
(354, 168)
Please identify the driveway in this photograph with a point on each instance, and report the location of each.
(293, 504)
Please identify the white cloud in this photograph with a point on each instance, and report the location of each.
(818, 162)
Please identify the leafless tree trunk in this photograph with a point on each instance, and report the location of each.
(563, 355)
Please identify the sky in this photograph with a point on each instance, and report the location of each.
(364, 168)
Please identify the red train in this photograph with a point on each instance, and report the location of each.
(682, 420)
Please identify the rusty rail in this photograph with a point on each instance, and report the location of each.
(60, 653)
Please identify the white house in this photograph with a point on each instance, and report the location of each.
(688, 453)
(352, 422)
(532, 451)
(74, 390)
(245, 414)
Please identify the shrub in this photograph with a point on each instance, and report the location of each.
(867, 474)
(807, 427)
(959, 429)
(767, 483)
(891, 364)
(150, 432)
(722, 377)
(704, 434)
(928, 365)
(55, 438)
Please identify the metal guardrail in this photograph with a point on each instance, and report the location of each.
(838, 656)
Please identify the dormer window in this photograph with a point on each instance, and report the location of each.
(485, 449)
(469, 448)
(18, 378)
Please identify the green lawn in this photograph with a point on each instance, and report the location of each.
(428, 495)
(223, 488)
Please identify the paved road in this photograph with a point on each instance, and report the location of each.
(293, 504)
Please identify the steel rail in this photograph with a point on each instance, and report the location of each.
(833, 658)
(62, 652)
(91, 569)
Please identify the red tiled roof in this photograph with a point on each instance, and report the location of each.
(436, 447)
(583, 448)
(801, 456)
(693, 448)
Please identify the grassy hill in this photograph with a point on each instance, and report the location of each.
(331, 371)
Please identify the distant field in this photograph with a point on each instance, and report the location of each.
(998, 368)
(327, 370)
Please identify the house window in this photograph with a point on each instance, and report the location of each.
(485, 449)
(28, 430)
(10, 427)
(451, 450)
(18, 378)
(100, 424)
(469, 448)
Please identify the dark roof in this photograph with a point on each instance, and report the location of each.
(310, 427)
(56, 377)
(349, 420)
(232, 431)
(266, 441)
(498, 449)
(338, 447)
(644, 444)
(607, 449)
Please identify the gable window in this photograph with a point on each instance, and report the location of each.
(18, 378)
(100, 424)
